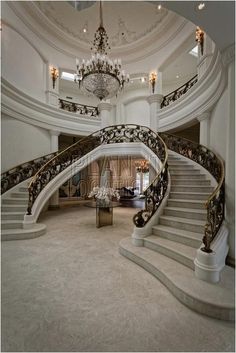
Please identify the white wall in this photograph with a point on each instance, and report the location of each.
(137, 112)
(21, 142)
(22, 66)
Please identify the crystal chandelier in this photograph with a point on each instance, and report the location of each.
(100, 75)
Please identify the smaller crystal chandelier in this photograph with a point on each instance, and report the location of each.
(142, 166)
(100, 75)
(200, 38)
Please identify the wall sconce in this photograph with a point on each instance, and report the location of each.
(54, 75)
(152, 80)
(200, 38)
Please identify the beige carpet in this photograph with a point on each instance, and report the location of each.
(70, 290)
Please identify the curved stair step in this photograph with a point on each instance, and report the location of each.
(35, 231)
(192, 188)
(183, 223)
(186, 213)
(184, 254)
(15, 201)
(12, 215)
(178, 235)
(214, 300)
(189, 195)
(196, 204)
(184, 176)
(189, 181)
(11, 224)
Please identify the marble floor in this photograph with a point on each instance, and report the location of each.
(71, 291)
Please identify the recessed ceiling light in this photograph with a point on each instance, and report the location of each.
(159, 7)
(142, 79)
(177, 76)
(201, 6)
(84, 30)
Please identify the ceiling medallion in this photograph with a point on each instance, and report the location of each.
(100, 75)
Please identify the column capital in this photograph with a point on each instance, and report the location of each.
(204, 116)
(155, 98)
(54, 132)
(104, 106)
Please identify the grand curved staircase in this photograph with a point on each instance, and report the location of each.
(175, 211)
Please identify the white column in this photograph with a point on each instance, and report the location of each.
(155, 103)
(205, 59)
(52, 94)
(104, 111)
(54, 199)
(204, 120)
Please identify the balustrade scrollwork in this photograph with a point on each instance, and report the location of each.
(78, 108)
(112, 134)
(179, 92)
(214, 165)
(22, 172)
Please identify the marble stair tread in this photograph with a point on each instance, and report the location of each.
(215, 300)
(11, 221)
(20, 234)
(12, 214)
(186, 210)
(205, 195)
(189, 202)
(184, 250)
(180, 232)
(183, 220)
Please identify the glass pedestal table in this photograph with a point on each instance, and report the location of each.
(104, 212)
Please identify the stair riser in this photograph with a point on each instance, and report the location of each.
(13, 217)
(187, 188)
(20, 195)
(186, 196)
(169, 253)
(182, 166)
(14, 209)
(188, 215)
(194, 182)
(191, 177)
(23, 189)
(11, 226)
(186, 204)
(194, 243)
(184, 171)
(14, 202)
(32, 235)
(180, 225)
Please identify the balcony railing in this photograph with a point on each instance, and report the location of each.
(82, 109)
(179, 92)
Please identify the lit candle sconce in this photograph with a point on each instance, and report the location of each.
(200, 38)
(152, 80)
(54, 75)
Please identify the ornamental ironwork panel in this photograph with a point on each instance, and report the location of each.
(214, 165)
(79, 108)
(22, 172)
(154, 194)
(179, 92)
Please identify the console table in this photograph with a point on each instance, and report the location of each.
(104, 213)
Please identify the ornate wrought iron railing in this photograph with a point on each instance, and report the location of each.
(173, 96)
(22, 172)
(112, 134)
(215, 166)
(79, 108)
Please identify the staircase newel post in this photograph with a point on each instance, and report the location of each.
(204, 120)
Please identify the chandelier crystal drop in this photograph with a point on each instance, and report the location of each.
(100, 75)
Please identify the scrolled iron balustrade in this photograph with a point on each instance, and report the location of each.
(22, 172)
(173, 96)
(207, 159)
(79, 108)
(112, 134)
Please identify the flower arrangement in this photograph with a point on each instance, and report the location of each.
(103, 194)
